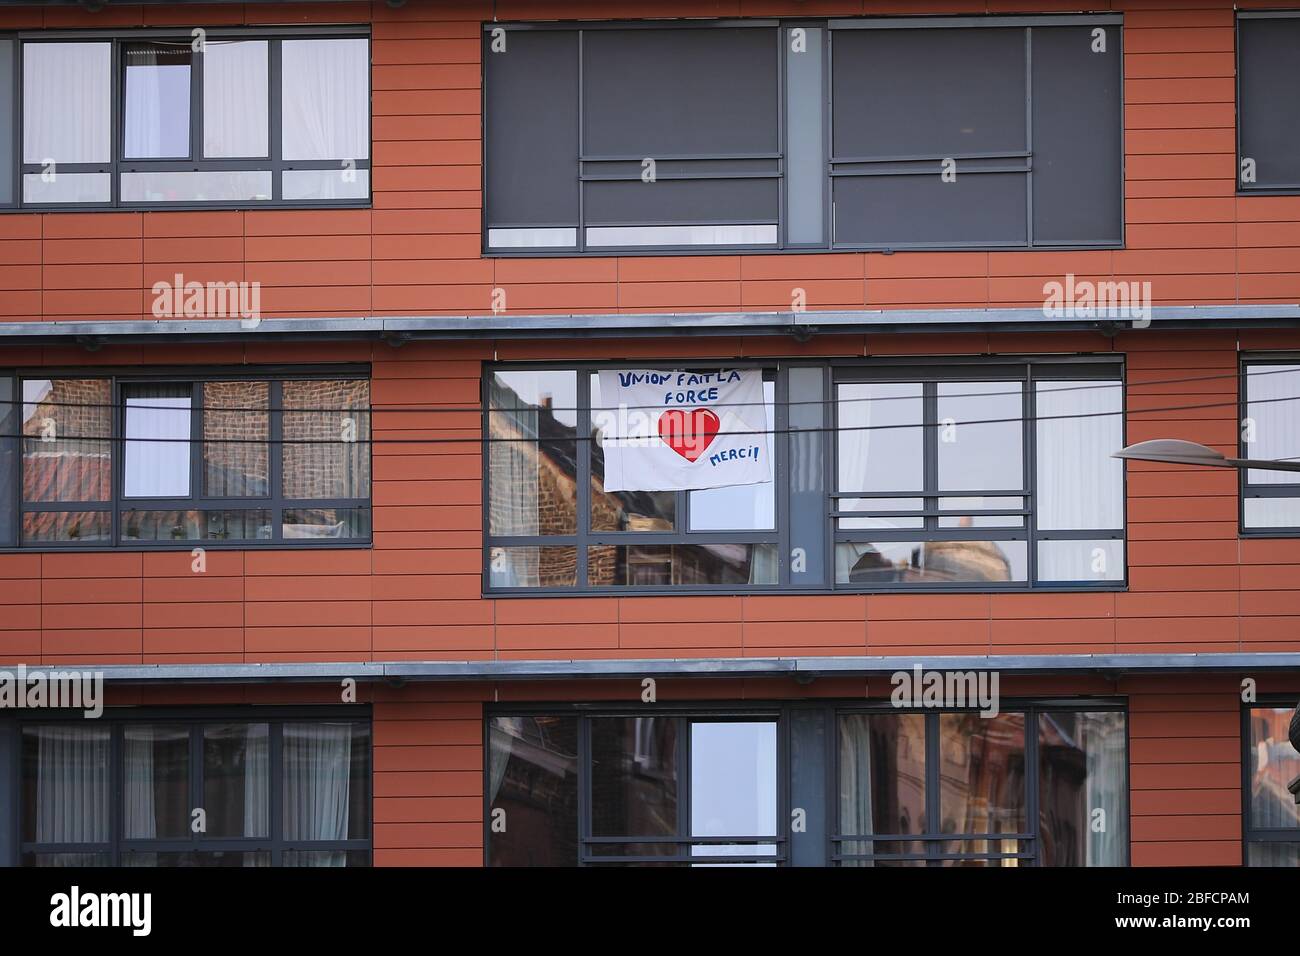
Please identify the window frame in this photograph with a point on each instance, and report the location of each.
(818, 766)
(117, 163)
(1032, 709)
(1245, 489)
(828, 25)
(834, 371)
(1253, 189)
(1249, 833)
(274, 501)
(195, 719)
(585, 538)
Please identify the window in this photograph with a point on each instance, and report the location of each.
(989, 132)
(1039, 784)
(170, 462)
(953, 789)
(275, 792)
(212, 119)
(940, 482)
(1272, 815)
(979, 475)
(1270, 432)
(1268, 116)
(670, 790)
(551, 523)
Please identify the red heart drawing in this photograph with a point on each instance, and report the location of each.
(688, 433)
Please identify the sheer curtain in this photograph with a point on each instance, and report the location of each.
(326, 99)
(138, 805)
(66, 107)
(1103, 739)
(1079, 484)
(257, 770)
(317, 791)
(235, 98)
(157, 469)
(855, 779)
(72, 785)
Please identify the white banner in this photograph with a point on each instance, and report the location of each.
(677, 431)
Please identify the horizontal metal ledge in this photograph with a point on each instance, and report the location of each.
(397, 328)
(718, 667)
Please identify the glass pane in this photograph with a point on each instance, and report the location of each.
(875, 453)
(740, 507)
(67, 187)
(235, 430)
(306, 523)
(634, 776)
(621, 510)
(981, 436)
(984, 852)
(1082, 789)
(326, 781)
(67, 113)
(157, 430)
(1079, 484)
(976, 520)
(879, 509)
(638, 565)
(156, 775)
(237, 779)
(982, 773)
(65, 785)
(1276, 424)
(8, 117)
(701, 235)
(351, 858)
(210, 858)
(930, 562)
(157, 100)
(205, 185)
(77, 526)
(882, 778)
(1081, 561)
(346, 182)
(1272, 854)
(527, 567)
(733, 781)
(533, 779)
(66, 859)
(327, 439)
(532, 453)
(8, 458)
(1273, 764)
(805, 136)
(326, 99)
(235, 98)
(1271, 512)
(882, 853)
(63, 458)
(196, 525)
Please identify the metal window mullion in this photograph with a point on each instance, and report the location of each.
(930, 453)
(196, 443)
(933, 751)
(781, 443)
(584, 786)
(582, 190)
(196, 101)
(275, 460)
(684, 833)
(582, 526)
(275, 91)
(197, 796)
(1031, 787)
(117, 460)
(116, 141)
(275, 786)
(1029, 462)
(781, 126)
(1029, 136)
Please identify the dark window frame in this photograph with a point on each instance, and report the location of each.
(824, 830)
(1252, 189)
(117, 164)
(829, 25)
(836, 370)
(274, 501)
(1246, 489)
(117, 719)
(1249, 833)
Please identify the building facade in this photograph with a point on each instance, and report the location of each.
(304, 310)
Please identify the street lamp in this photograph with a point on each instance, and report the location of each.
(1179, 452)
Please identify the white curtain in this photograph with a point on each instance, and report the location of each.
(326, 99)
(317, 778)
(1102, 736)
(1276, 431)
(1080, 485)
(235, 97)
(505, 730)
(157, 120)
(855, 782)
(157, 469)
(139, 806)
(66, 106)
(72, 785)
(257, 773)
